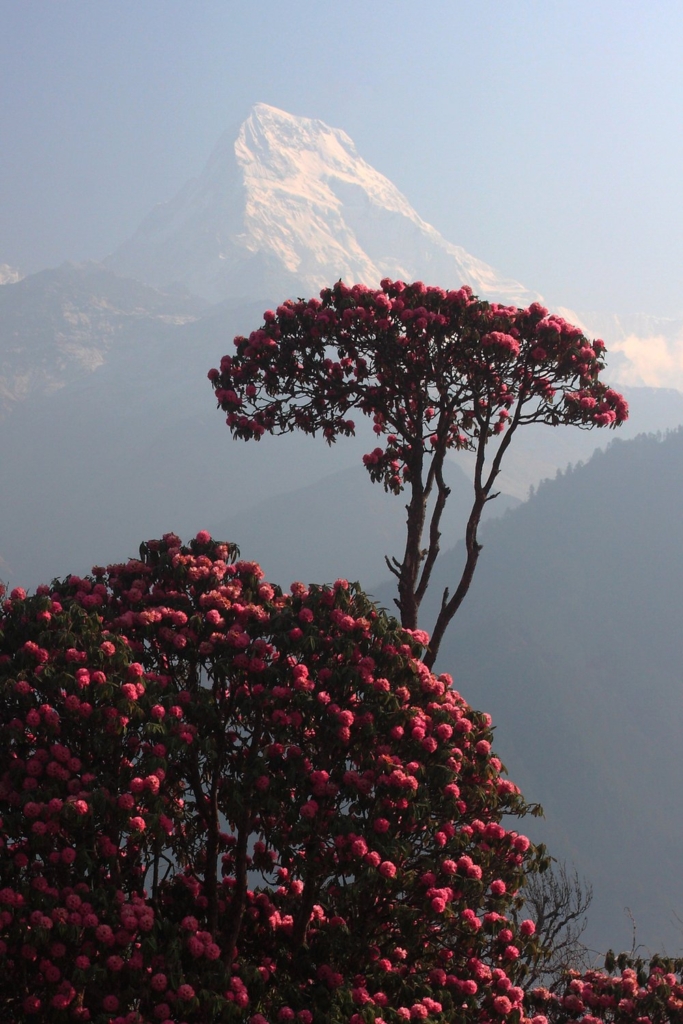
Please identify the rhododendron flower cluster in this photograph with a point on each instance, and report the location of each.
(435, 370)
(430, 366)
(222, 802)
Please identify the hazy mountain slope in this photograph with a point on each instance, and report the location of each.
(135, 448)
(290, 207)
(571, 638)
(114, 437)
(342, 525)
(60, 324)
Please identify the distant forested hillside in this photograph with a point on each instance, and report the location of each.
(572, 638)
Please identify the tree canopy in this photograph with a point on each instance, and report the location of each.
(436, 371)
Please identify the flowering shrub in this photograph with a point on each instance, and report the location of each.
(220, 802)
(628, 991)
(435, 370)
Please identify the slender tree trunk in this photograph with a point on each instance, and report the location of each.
(482, 494)
(432, 553)
(450, 607)
(211, 869)
(307, 901)
(239, 901)
(410, 566)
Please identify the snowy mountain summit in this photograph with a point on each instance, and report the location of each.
(290, 207)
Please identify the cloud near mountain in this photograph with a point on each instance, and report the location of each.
(643, 350)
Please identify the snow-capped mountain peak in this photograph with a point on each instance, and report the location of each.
(287, 208)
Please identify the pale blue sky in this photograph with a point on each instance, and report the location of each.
(545, 137)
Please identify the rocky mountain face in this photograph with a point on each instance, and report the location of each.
(282, 210)
(59, 325)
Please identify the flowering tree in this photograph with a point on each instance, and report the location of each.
(437, 371)
(219, 802)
